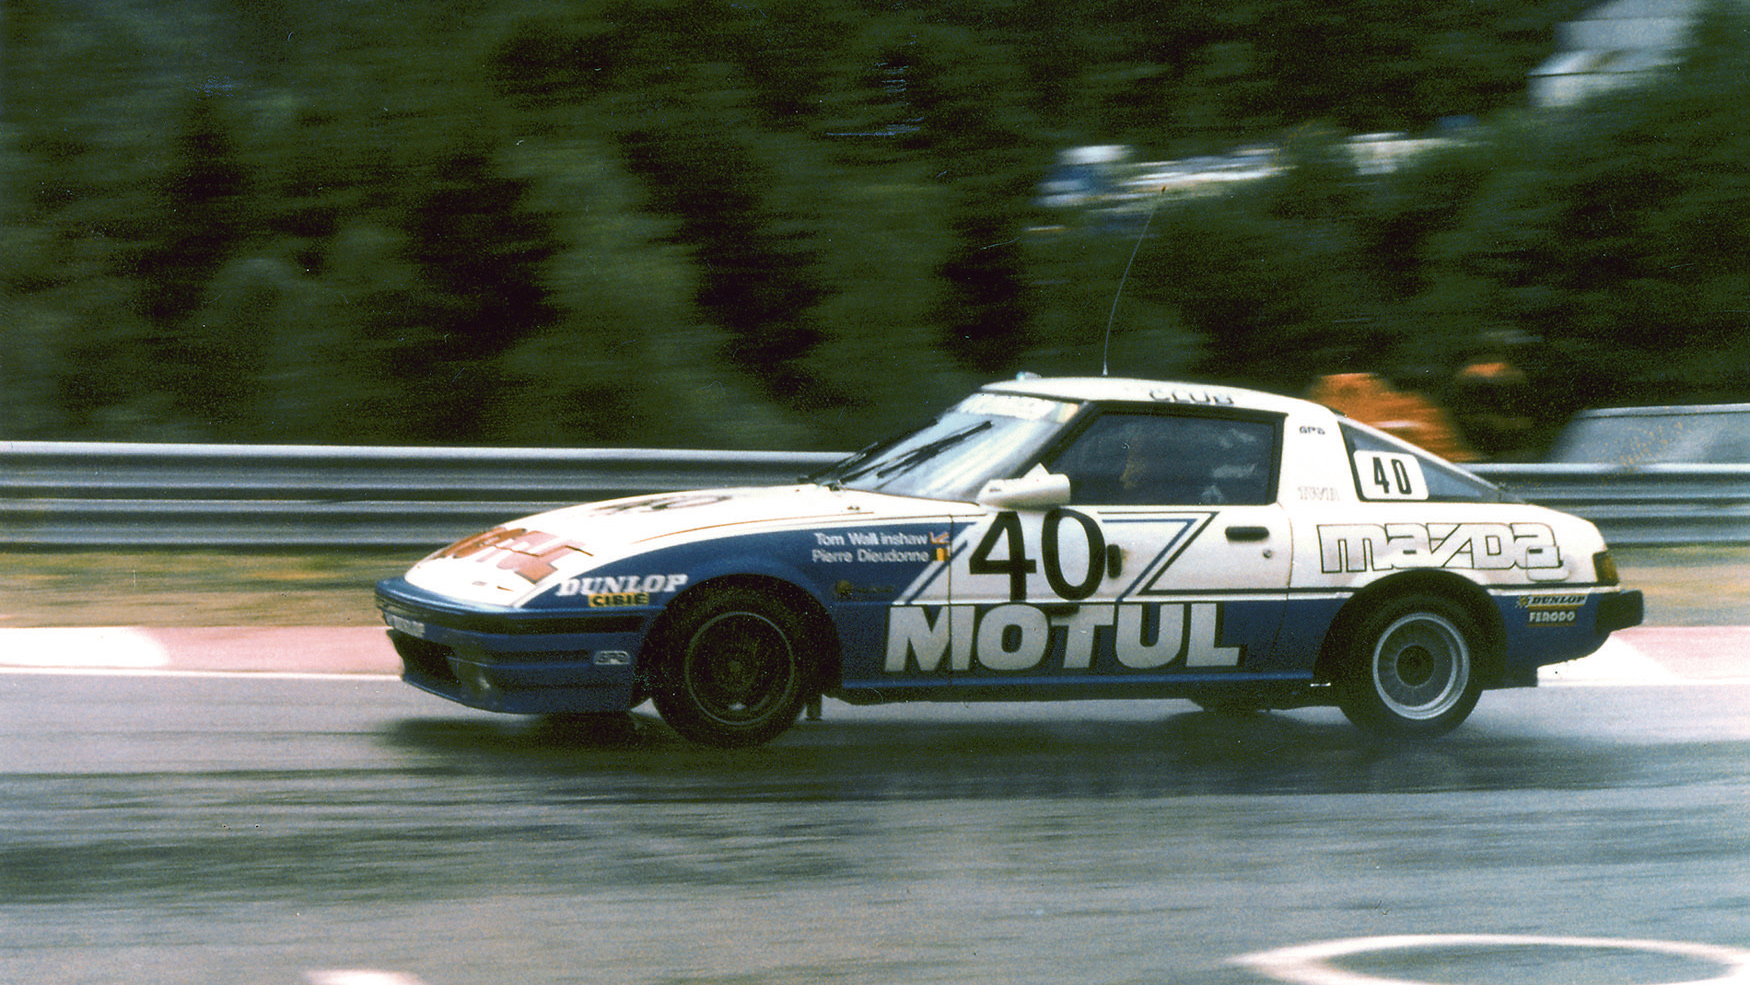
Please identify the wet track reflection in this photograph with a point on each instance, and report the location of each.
(1183, 753)
(249, 831)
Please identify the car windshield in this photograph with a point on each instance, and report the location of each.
(986, 436)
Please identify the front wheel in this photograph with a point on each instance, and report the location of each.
(729, 672)
(1411, 670)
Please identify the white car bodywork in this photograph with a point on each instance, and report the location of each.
(1043, 539)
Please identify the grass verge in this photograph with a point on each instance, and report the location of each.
(194, 588)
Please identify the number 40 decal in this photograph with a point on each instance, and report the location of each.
(1390, 475)
(1017, 565)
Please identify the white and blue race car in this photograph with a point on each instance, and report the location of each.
(1042, 539)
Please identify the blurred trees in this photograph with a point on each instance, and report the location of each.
(1619, 240)
(804, 222)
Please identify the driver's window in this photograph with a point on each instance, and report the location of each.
(1152, 459)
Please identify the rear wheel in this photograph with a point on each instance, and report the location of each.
(730, 671)
(1411, 670)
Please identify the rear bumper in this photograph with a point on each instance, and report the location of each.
(1545, 626)
(1620, 611)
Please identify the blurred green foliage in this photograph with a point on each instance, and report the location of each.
(802, 223)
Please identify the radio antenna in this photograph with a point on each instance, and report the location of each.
(1106, 350)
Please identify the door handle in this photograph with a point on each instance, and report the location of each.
(1248, 534)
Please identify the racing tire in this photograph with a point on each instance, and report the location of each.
(1412, 668)
(730, 673)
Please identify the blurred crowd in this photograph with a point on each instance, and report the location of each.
(1479, 413)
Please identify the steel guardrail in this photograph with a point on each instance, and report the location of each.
(93, 495)
(1640, 505)
(75, 495)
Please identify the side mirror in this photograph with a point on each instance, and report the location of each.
(1037, 490)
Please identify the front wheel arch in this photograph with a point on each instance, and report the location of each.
(798, 617)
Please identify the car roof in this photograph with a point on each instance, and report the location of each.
(1110, 389)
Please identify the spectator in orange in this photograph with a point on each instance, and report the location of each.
(1490, 397)
(1368, 398)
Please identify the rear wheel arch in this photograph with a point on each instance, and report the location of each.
(1409, 658)
(1466, 594)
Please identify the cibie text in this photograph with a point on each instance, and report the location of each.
(1020, 637)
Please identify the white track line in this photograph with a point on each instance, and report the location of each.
(360, 977)
(1309, 964)
(254, 675)
(82, 647)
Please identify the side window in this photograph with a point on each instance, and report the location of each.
(1380, 473)
(1126, 459)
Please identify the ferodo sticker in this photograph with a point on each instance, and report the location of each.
(1019, 637)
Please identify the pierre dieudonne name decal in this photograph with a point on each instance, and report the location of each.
(879, 547)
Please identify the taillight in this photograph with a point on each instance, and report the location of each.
(1605, 567)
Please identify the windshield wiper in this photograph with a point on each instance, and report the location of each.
(834, 475)
(925, 452)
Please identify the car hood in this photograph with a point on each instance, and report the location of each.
(518, 560)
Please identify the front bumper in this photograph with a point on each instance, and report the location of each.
(514, 660)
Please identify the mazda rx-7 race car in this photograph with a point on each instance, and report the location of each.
(1043, 539)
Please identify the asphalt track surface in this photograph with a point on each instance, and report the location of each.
(248, 806)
